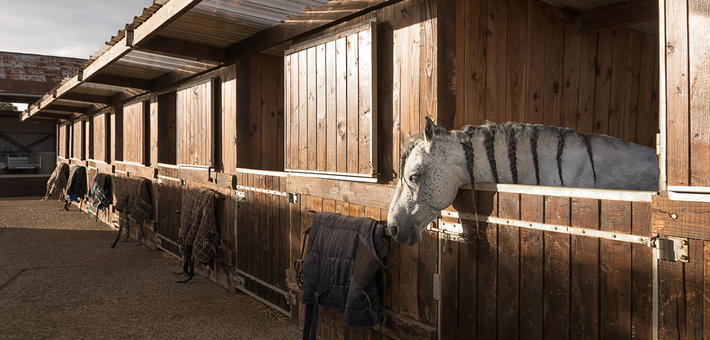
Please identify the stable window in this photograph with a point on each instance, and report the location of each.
(99, 124)
(77, 140)
(195, 124)
(134, 132)
(331, 110)
(63, 142)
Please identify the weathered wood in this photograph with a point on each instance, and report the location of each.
(554, 64)
(557, 271)
(195, 124)
(89, 98)
(680, 218)
(134, 132)
(379, 196)
(584, 271)
(677, 94)
(487, 257)
(508, 268)
(311, 86)
(535, 56)
(602, 90)
(642, 273)
(532, 268)
(699, 76)
(618, 14)
(615, 272)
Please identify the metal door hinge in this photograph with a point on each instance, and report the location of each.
(668, 248)
(240, 196)
(292, 198)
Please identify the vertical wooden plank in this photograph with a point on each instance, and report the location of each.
(496, 60)
(677, 91)
(706, 288)
(460, 64)
(352, 104)
(587, 82)
(281, 116)
(620, 83)
(341, 50)
(475, 62)
(584, 271)
(255, 110)
(294, 116)
(557, 271)
(642, 273)
(535, 72)
(364, 40)
(554, 60)
(311, 97)
(647, 121)
(602, 92)
(331, 108)
(694, 286)
(303, 110)
(321, 105)
(487, 257)
(699, 53)
(288, 110)
(615, 272)
(270, 240)
(671, 318)
(516, 63)
(570, 74)
(508, 268)
(429, 65)
(531, 268)
(269, 113)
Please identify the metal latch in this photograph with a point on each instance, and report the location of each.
(437, 287)
(292, 198)
(449, 231)
(668, 248)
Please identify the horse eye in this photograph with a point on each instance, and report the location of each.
(413, 178)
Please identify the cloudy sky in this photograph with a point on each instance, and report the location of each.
(68, 28)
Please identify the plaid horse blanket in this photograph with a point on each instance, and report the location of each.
(134, 199)
(198, 232)
(57, 181)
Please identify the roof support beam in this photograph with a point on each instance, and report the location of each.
(65, 108)
(164, 16)
(616, 15)
(182, 49)
(90, 98)
(330, 14)
(51, 115)
(109, 79)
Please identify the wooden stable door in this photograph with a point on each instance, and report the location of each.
(547, 266)
(262, 230)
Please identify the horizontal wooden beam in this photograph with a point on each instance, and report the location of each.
(372, 195)
(51, 115)
(681, 218)
(182, 49)
(65, 108)
(616, 15)
(110, 79)
(327, 15)
(90, 98)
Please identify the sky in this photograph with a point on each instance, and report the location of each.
(66, 28)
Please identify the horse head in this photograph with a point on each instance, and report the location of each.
(433, 168)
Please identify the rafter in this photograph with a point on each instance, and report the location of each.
(109, 79)
(182, 49)
(616, 15)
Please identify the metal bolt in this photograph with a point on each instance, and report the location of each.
(684, 242)
(674, 216)
(684, 257)
(613, 235)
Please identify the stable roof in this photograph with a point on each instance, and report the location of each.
(175, 40)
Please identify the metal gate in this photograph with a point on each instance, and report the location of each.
(535, 262)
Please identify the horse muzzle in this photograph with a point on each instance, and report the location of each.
(404, 234)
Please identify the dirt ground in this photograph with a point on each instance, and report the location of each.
(59, 279)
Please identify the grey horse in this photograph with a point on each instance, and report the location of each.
(436, 164)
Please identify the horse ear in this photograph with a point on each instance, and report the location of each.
(429, 131)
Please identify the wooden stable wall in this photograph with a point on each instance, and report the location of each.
(523, 61)
(508, 282)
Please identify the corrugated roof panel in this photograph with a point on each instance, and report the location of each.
(209, 30)
(263, 13)
(151, 61)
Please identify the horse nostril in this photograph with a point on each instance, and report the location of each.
(394, 230)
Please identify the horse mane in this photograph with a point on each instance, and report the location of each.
(512, 130)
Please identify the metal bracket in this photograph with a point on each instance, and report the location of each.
(237, 280)
(240, 196)
(668, 248)
(292, 198)
(450, 231)
(437, 287)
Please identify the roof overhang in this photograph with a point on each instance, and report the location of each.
(176, 40)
